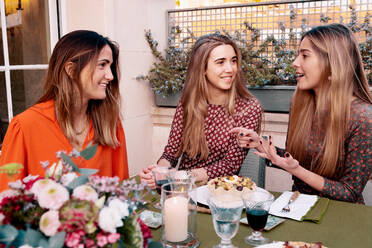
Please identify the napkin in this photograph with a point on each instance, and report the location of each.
(298, 209)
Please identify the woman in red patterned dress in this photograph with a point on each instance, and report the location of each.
(214, 100)
(330, 122)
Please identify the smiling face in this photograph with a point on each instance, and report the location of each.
(96, 76)
(222, 66)
(308, 65)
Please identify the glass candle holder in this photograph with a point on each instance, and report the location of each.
(179, 215)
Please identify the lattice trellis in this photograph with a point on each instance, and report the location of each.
(269, 17)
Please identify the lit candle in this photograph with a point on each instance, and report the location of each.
(175, 218)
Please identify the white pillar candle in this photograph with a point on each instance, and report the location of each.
(175, 218)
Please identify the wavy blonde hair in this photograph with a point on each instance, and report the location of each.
(82, 48)
(195, 94)
(340, 58)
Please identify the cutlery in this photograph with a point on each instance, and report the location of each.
(294, 196)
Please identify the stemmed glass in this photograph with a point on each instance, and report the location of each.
(161, 176)
(226, 212)
(257, 205)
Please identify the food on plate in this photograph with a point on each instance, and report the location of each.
(232, 185)
(298, 244)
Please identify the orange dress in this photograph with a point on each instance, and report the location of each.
(35, 136)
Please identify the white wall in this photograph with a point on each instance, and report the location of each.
(124, 21)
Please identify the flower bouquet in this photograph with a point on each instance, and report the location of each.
(72, 207)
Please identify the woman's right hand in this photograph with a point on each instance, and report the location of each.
(247, 138)
(147, 177)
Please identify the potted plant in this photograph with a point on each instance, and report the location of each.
(267, 67)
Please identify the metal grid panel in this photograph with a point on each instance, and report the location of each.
(265, 16)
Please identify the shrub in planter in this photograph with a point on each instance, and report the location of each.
(268, 64)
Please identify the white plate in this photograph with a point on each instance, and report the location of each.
(203, 194)
(278, 244)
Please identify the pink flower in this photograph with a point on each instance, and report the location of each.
(8, 193)
(40, 185)
(72, 239)
(101, 240)
(113, 238)
(85, 192)
(89, 243)
(53, 196)
(49, 223)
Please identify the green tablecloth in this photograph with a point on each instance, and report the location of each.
(343, 225)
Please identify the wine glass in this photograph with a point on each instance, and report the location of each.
(161, 176)
(226, 213)
(257, 205)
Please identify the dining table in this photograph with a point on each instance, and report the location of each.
(343, 224)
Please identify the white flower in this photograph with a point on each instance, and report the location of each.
(2, 217)
(53, 196)
(55, 170)
(99, 203)
(85, 192)
(109, 219)
(66, 179)
(49, 223)
(17, 185)
(120, 207)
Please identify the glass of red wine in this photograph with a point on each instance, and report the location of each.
(161, 176)
(257, 205)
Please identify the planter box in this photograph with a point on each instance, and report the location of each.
(273, 98)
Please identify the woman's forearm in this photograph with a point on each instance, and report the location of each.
(312, 179)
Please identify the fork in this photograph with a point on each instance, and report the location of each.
(294, 196)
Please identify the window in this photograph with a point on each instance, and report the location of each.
(25, 47)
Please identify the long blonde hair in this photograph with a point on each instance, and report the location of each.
(82, 48)
(342, 78)
(194, 97)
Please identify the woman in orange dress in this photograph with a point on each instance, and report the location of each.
(80, 106)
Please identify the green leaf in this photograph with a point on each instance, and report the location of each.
(33, 237)
(77, 182)
(11, 168)
(68, 160)
(87, 172)
(19, 240)
(89, 152)
(8, 233)
(44, 244)
(155, 244)
(57, 240)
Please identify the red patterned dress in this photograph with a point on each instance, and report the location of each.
(225, 156)
(352, 175)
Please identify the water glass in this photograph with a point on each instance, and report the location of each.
(257, 205)
(226, 213)
(161, 176)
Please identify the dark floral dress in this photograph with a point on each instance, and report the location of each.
(351, 177)
(225, 156)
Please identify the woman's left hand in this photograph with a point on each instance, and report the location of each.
(268, 151)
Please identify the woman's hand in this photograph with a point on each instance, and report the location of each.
(246, 138)
(147, 177)
(268, 151)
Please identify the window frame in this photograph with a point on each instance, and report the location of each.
(53, 9)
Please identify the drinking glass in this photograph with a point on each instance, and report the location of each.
(161, 176)
(257, 205)
(226, 213)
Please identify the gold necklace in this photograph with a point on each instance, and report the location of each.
(83, 130)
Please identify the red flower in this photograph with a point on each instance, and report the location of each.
(146, 232)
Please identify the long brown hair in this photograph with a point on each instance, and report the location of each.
(82, 48)
(194, 97)
(342, 78)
